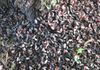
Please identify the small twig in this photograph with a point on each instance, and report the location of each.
(88, 41)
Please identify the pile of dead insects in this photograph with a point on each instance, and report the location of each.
(67, 38)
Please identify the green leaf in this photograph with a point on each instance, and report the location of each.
(77, 59)
(49, 3)
(80, 50)
(48, 7)
(53, 2)
(58, 1)
(13, 66)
